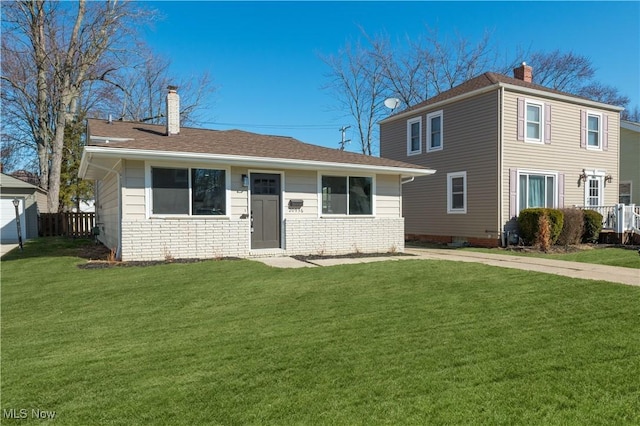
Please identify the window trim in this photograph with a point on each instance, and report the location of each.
(597, 175)
(346, 176)
(600, 130)
(410, 122)
(430, 116)
(450, 177)
(541, 123)
(189, 166)
(545, 173)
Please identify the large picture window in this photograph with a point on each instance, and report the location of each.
(175, 191)
(208, 196)
(537, 190)
(347, 195)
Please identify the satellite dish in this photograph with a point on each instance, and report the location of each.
(391, 103)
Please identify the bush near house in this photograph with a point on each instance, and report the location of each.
(529, 219)
(592, 226)
(572, 227)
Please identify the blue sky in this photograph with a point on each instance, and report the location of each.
(263, 56)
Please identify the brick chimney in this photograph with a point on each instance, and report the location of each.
(173, 111)
(524, 72)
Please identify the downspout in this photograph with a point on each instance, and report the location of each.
(409, 180)
(503, 236)
(119, 221)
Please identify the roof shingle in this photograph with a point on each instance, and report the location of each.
(143, 136)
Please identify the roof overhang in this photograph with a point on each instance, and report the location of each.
(497, 86)
(97, 162)
(630, 125)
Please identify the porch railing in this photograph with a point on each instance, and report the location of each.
(618, 218)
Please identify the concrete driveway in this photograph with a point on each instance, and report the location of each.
(6, 248)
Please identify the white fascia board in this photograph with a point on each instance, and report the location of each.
(561, 97)
(248, 161)
(630, 125)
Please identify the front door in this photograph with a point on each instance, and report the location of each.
(265, 211)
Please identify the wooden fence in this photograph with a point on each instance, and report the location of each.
(68, 224)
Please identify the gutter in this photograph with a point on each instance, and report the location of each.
(238, 160)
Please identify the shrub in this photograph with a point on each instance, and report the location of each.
(543, 237)
(529, 219)
(592, 226)
(572, 228)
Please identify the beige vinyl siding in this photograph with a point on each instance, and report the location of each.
(630, 162)
(388, 196)
(564, 154)
(301, 185)
(133, 191)
(107, 210)
(41, 201)
(239, 197)
(470, 144)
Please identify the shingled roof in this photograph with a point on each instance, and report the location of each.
(486, 80)
(126, 135)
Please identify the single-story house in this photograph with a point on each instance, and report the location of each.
(32, 200)
(170, 192)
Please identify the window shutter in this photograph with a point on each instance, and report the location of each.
(547, 123)
(513, 192)
(560, 190)
(583, 128)
(521, 115)
(605, 132)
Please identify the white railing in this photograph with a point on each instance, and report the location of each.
(619, 218)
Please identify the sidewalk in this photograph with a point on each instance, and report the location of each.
(587, 271)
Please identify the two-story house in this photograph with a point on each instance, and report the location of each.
(500, 145)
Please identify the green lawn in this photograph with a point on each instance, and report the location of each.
(237, 342)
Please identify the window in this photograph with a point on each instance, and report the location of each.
(534, 124)
(534, 121)
(350, 195)
(434, 131)
(414, 136)
(170, 191)
(178, 192)
(208, 196)
(536, 190)
(625, 193)
(593, 131)
(457, 192)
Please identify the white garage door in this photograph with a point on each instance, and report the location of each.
(9, 230)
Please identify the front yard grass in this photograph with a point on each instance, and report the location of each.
(237, 342)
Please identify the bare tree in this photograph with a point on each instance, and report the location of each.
(362, 77)
(356, 80)
(51, 50)
(141, 90)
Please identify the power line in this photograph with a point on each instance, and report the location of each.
(273, 126)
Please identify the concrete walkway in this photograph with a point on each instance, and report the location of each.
(589, 271)
(6, 248)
